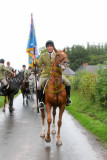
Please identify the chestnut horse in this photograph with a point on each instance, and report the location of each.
(55, 95)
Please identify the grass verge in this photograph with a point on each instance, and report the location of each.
(2, 99)
(90, 115)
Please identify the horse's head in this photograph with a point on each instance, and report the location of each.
(61, 59)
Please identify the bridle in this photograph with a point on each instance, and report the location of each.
(60, 60)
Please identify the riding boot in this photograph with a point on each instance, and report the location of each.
(40, 95)
(68, 101)
(2, 87)
(41, 99)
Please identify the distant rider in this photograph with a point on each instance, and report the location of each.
(10, 68)
(23, 68)
(3, 69)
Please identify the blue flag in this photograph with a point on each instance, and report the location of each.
(32, 48)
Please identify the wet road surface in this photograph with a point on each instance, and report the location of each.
(20, 137)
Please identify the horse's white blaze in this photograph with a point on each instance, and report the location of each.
(62, 67)
(62, 52)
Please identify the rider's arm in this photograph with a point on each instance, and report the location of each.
(5, 69)
(38, 62)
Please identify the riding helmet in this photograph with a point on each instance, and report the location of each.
(50, 42)
(29, 67)
(24, 66)
(2, 61)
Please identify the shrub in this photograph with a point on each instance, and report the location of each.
(87, 84)
(74, 82)
(101, 87)
(92, 85)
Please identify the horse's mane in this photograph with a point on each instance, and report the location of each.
(19, 74)
(17, 79)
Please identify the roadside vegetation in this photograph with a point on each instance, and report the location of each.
(2, 99)
(92, 54)
(89, 102)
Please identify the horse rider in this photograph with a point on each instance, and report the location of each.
(10, 68)
(3, 69)
(23, 68)
(46, 59)
(27, 72)
(32, 83)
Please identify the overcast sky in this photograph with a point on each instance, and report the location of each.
(66, 22)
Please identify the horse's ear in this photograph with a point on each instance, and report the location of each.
(64, 50)
(55, 50)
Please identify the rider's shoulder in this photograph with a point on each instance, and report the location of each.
(44, 54)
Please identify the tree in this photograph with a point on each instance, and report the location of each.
(77, 56)
(42, 50)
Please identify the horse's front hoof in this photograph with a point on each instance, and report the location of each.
(11, 114)
(3, 110)
(42, 135)
(53, 131)
(47, 139)
(13, 109)
(58, 143)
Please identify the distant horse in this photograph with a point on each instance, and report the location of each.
(14, 85)
(55, 95)
(9, 76)
(32, 85)
(25, 90)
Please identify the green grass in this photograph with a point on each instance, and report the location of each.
(90, 115)
(2, 99)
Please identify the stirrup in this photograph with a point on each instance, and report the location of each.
(41, 105)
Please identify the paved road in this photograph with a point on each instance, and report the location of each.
(20, 138)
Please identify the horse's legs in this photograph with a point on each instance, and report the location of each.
(4, 104)
(43, 124)
(53, 125)
(59, 124)
(26, 98)
(32, 96)
(23, 99)
(49, 120)
(11, 103)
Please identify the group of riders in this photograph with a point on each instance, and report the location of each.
(44, 64)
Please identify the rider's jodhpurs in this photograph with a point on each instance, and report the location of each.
(4, 82)
(42, 81)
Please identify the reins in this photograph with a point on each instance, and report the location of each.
(60, 60)
(57, 83)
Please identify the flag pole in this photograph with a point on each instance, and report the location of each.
(35, 74)
(36, 86)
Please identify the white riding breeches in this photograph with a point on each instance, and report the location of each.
(42, 82)
(4, 82)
